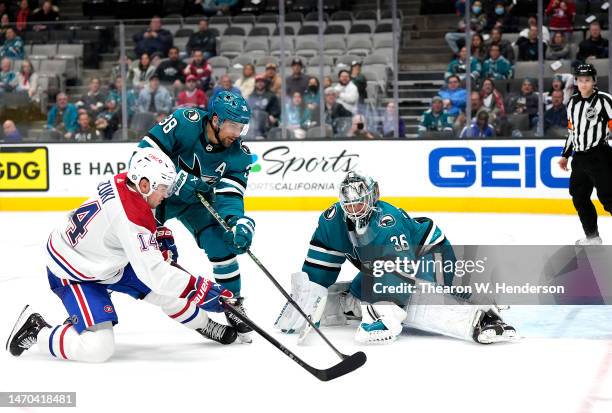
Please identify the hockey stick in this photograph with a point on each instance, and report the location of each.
(347, 365)
(226, 227)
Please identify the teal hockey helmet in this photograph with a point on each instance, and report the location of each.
(231, 107)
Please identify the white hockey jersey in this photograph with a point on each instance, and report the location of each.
(109, 230)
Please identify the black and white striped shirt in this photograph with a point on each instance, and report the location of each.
(588, 121)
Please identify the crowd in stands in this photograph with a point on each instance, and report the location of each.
(493, 60)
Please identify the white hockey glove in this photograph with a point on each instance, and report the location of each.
(311, 297)
(381, 323)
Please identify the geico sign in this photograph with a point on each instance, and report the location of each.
(24, 169)
(520, 167)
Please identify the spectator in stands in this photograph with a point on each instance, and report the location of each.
(85, 131)
(8, 78)
(192, 96)
(360, 81)
(492, 100)
(46, 13)
(532, 21)
(347, 93)
(480, 128)
(203, 40)
(390, 119)
(555, 118)
(434, 119)
(62, 118)
(360, 130)
(109, 120)
(13, 46)
(505, 47)
(246, 83)
(11, 133)
(297, 81)
(563, 82)
(23, 16)
(115, 94)
(273, 80)
(478, 48)
(335, 113)
(458, 66)
(155, 99)
(476, 108)
(225, 85)
(265, 108)
(171, 72)
(526, 101)
(496, 66)
(501, 18)
(562, 13)
(453, 96)
(142, 72)
(528, 46)
(327, 82)
(92, 101)
(200, 68)
(298, 116)
(312, 97)
(594, 46)
(478, 21)
(558, 48)
(5, 24)
(154, 39)
(27, 81)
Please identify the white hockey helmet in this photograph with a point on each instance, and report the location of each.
(154, 165)
(358, 196)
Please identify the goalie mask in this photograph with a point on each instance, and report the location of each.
(358, 197)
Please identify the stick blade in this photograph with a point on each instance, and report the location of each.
(349, 364)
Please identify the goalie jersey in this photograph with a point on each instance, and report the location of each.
(391, 234)
(109, 230)
(182, 136)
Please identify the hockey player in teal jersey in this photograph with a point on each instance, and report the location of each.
(212, 160)
(368, 232)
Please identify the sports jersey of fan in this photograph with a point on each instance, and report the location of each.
(109, 243)
(211, 160)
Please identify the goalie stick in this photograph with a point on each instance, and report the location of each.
(357, 356)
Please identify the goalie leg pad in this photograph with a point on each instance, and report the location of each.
(341, 305)
(310, 297)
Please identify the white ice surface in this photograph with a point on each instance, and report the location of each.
(564, 363)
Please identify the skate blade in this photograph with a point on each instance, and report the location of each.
(25, 313)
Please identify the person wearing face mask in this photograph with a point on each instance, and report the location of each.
(312, 98)
(478, 21)
(501, 17)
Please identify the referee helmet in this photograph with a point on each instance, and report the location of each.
(586, 69)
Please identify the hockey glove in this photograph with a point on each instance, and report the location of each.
(187, 186)
(240, 236)
(165, 240)
(207, 294)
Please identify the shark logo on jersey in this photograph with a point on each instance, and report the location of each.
(591, 114)
(330, 213)
(192, 115)
(196, 170)
(386, 221)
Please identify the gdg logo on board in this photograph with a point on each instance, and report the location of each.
(24, 168)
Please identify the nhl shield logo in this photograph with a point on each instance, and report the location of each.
(191, 115)
(591, 114)
(74, 319)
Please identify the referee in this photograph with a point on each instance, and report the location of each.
(589, 117)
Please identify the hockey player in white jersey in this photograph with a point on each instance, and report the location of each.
(109, 244)
(365, 230)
